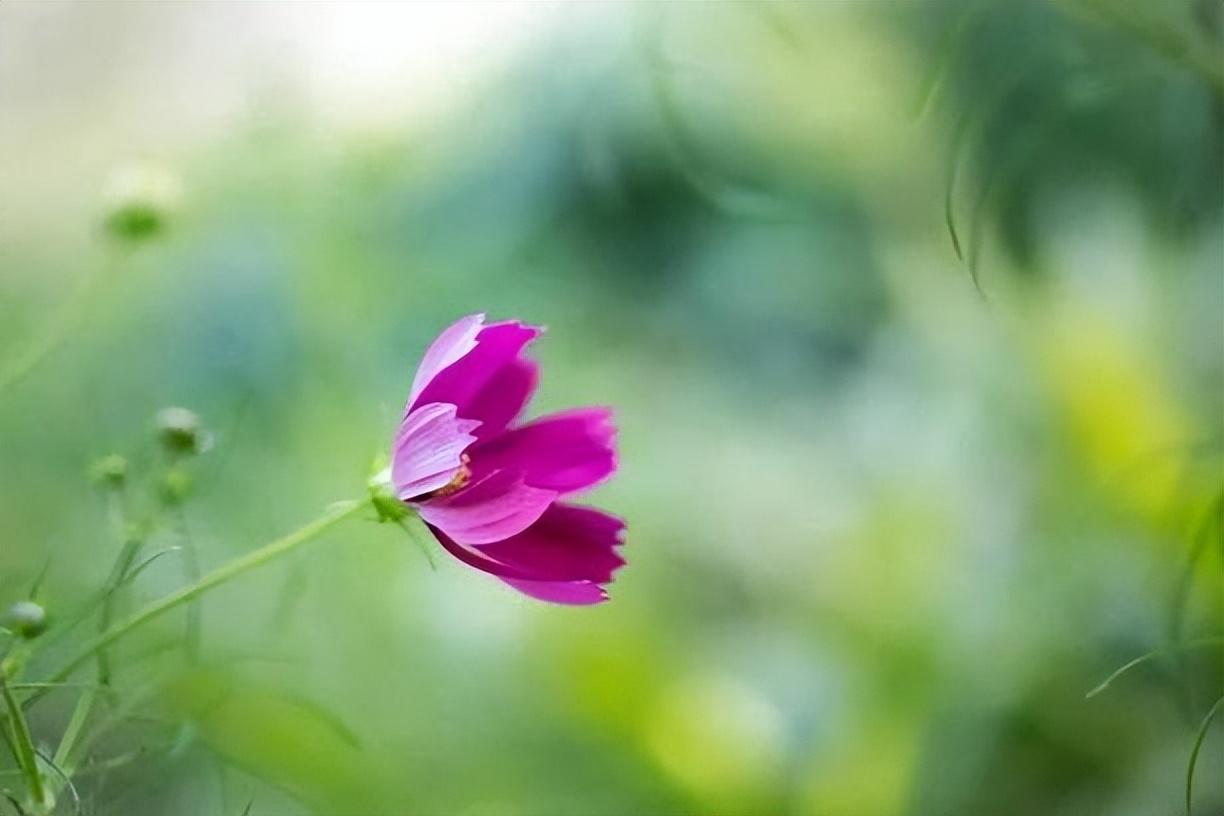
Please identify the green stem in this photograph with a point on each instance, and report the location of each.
(129, 549)
(23, 744)
(192, 573)
(223, 574)
(76, 728)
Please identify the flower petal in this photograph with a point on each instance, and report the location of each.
(490, 509)
(564, 452)
(476, 382)
(564, 557)
(454, 343)
(571, 593)
(429, 449)
(567, 543)
(503, 397)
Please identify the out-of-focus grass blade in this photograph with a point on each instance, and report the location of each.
(12, 800)
(722, 195)
(941, 68)
(148, 562)
(1194, 753)
(1150, 656)
(40, 579)
(960, 146)
(1212, 523)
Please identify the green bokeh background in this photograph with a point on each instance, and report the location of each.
(886, 527)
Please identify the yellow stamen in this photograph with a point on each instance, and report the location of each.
(460, 481)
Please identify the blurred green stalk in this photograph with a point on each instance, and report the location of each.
(23, 744)
(223, 574)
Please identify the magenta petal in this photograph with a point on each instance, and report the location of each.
(475, 381)
(473, 557)
(565, 452)
(564, 557)
(495, 507)
(455, 342)
(503, 397)
(572, 593)
(565, 592)
(567, 543)
(429, 449)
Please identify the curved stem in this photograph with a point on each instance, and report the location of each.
(1152, 655)
(223, 574)
(1194, 752)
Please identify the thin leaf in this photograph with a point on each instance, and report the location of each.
(50, 763)
(1150, 656)
(148, 562)
(23, 743)
(722, 195)
(40, 579)
(117, 761)
(941, 69)
(12, 800)
(37, 685)
(1201, 539)
(960, 147)
(1194, 753)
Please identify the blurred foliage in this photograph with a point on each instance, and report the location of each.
(886, 531)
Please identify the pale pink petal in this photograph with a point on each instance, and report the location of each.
(571, 593)
(428, 449)
(565, 452)
(474, 381)
(456, 341)
(490, 509)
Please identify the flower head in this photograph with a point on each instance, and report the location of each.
(25, 618)
(181, 433)
(141, 199)
(495, 492)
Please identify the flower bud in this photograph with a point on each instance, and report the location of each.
(176, 486)
(140, 199)
(109, 471)
(181, 432)
(26, 619)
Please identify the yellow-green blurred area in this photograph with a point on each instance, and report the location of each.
(887, 526)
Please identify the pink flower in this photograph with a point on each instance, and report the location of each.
(495, 493)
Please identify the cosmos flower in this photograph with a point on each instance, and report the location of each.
(497, 493)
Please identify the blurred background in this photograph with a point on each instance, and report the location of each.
(912, 314)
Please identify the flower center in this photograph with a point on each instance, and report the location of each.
(460, 481)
